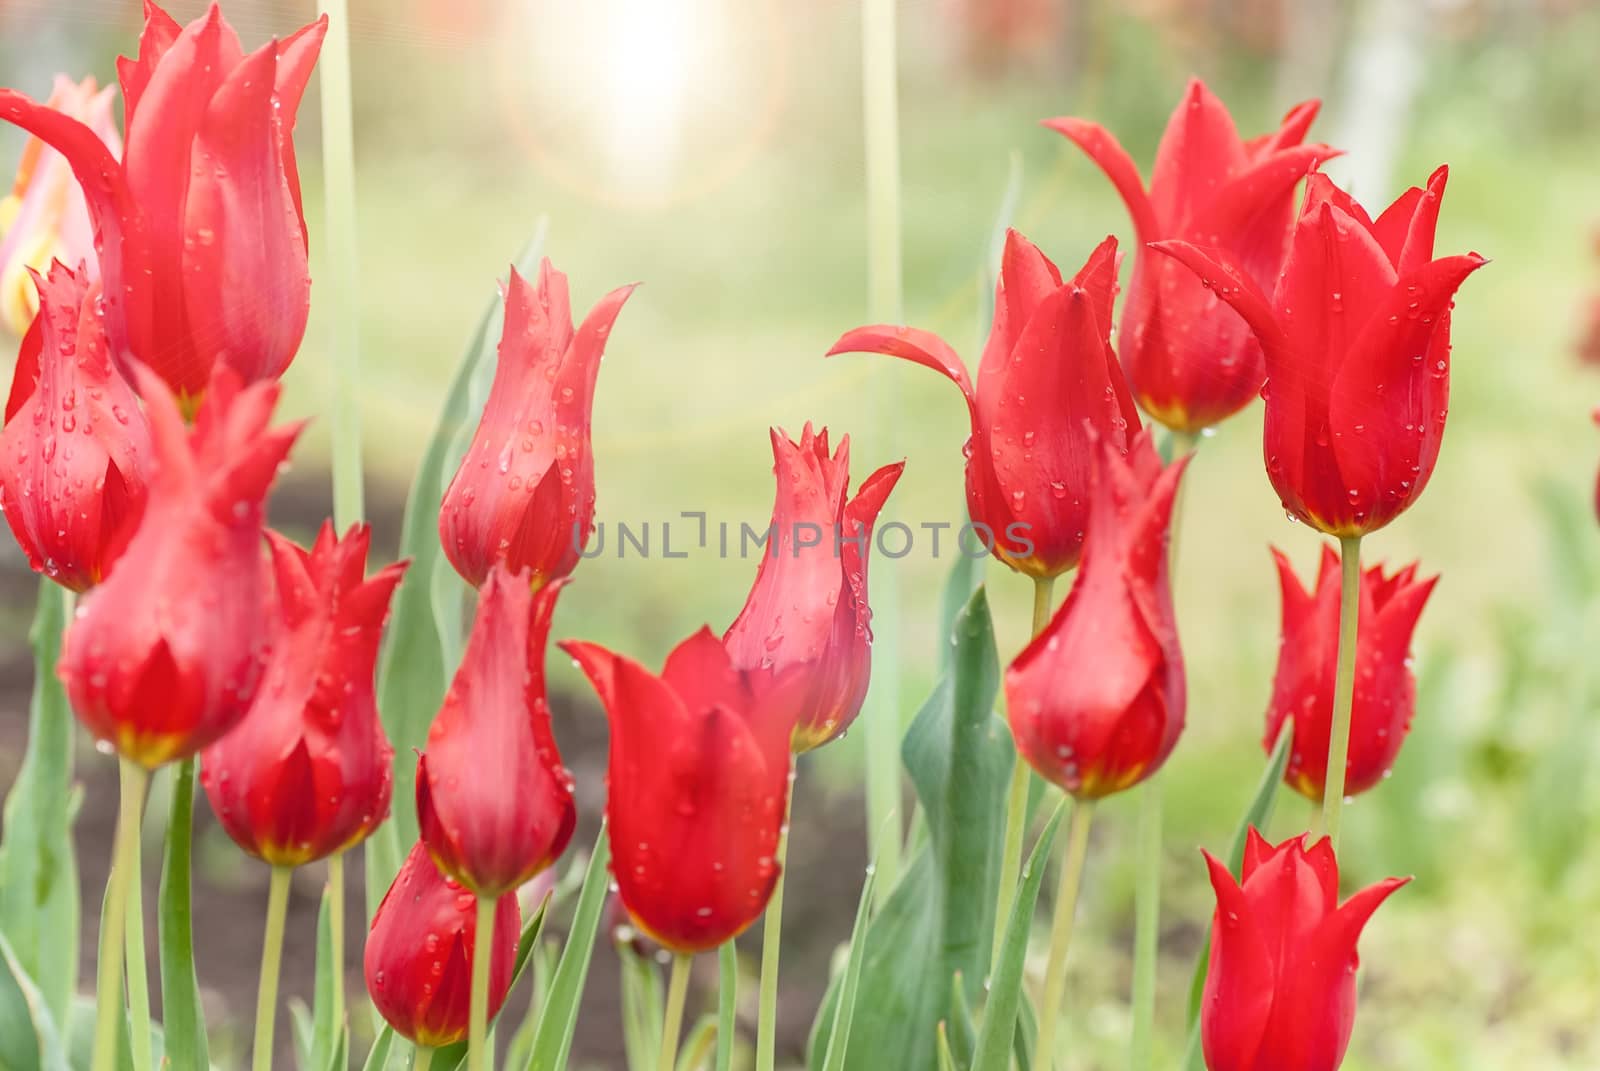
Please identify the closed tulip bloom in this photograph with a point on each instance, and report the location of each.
(524, 494)
(1096, 701)
(1047, 382)
(45, 218)
(203, 242)
(493, 799)
(75, 450)
(1385, 689)
(307, 772)
(1357, 341)
(164, 657)
(1191, 361)
(419, 953)
(809, 603)
(697, 782)
(1280, 991)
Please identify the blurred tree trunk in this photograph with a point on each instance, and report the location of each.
(1312, 32)
(1383, 71)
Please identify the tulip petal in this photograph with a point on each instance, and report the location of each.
(25, 375)
(1199, 147)
(1026, 278)
(1251, 215)
(920, 347)
(1104, 149)
(159, 33)
(1406, 228)
(297, 56)
(1237, 1002)
(1291, 130)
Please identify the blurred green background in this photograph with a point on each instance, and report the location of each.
(713, 150)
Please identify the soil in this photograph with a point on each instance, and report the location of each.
(231, 888)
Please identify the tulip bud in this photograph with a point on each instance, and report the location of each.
(164, 657)
(200, 225)
(1357, 343)
(697, 783)
(1191, 361)
(307, 772)
(809, 603)
(1280, 989)
(76, 444)
(1385, 689)
(419, 953)
(44, 218)
(1047, 382)
(1096, 701)
(524, 494)
(494, 802)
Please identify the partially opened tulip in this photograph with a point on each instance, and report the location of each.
(1385, 688)
(307, 772)
(809, 603)
(1357, 344)
(75, 452)
(164, 657)
(1280, 988)
(202, 238)
(1048, 380)
(45, 217)
(1191, 361)
(524, 494)
(493, 799)
(420, 952)
(697, 779)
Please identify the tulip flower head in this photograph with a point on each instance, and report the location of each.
(1357, 342)
(164, 657)
(1047, 381)
(76, 445)
(1385, 688)
(307, 772)
(697, 783)
(1096, 701)
(1280, 989)
(202, 238)
(419, 953)
(493, 799)
(524, 494)
(45, 218)
(1190, 360)
(809, 603)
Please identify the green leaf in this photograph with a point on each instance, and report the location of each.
(947, 1061)
(962, 1034)
(939, 918)
(327, 1038)
(1257, 814)
(642, 1007)
(697, 1044)
(727, 1004)
(559, 1018)
(38, 870)
(996, 1036)
(839, 1039)
(187, 1048)
(378, 1055)
(414, 671)
(29, 1038)
(966, 576)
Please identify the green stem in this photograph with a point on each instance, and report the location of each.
(479, 1058)
(339, 188)
(124, 854)
(1343, 685)
(138, 975)
(771, 944)
(881, 125)
(336, 933)
(1017, 800)
(422, 1059)
(1055, 975)
(672, 1023)
(271, 961)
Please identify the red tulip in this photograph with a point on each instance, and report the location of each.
(201, 237)
(419, 953)
(524, 494)
(1190, 360)
(494, 802)
(164, 657)
(1096, 701)
(809, 603)
(1357, 340)
(1385, 693)
(76, 446)
(699, 773)
(1281, 986)
(307, 773)
(1047, 377)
